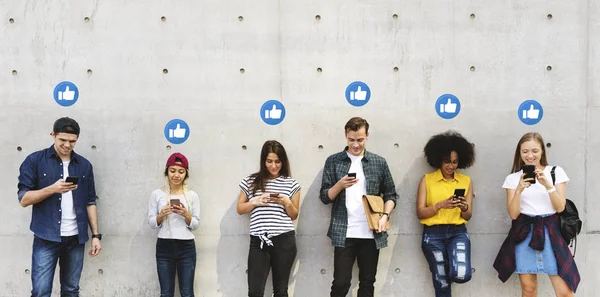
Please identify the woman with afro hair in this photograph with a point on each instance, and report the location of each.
(444, 205)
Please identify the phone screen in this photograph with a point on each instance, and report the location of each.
(72, 179)
(459, 192)
(529, 171)
(352, 174)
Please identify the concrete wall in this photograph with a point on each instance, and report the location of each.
(117, 59)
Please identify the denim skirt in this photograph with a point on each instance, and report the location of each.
(530, 261)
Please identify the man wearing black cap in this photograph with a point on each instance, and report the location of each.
(59, 184)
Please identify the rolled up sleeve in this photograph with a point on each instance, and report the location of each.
(327, 181)
(92, 196)
(27, 180)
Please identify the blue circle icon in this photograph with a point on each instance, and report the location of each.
(66, 93)
(530, 112)
(358, 93)
(272, 112)
(177, 131)
(447, 106)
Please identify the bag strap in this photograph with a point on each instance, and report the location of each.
(573, 241)
(553, 175)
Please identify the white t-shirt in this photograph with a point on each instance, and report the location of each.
(68, 218)
(535, 200)
(358, 227)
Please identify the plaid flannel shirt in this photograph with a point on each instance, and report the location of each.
(505, 262)
(378, 180)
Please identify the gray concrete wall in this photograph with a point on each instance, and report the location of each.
(126, 100)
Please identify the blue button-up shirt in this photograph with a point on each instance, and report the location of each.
(42, 169)
(378, 180)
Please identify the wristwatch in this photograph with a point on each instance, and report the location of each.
(387, 214)
(99, 236)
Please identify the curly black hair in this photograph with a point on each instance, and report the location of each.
(439, 147)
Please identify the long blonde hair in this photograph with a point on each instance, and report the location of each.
(517, 161)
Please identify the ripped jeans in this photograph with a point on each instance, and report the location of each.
(447, 249)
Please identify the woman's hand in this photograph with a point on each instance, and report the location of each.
(449, 203)
(165, 211)
(260, 201)
(180, 210)
(524, 183)
(541, 177)
(281, 199)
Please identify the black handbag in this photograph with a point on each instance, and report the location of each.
(570, 224)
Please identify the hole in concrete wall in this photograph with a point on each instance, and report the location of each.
(244, 147)
(14, 72)
(246, 271)
(548, 145)
(549, 68)
(165, 71)
(472, 16)
(19, 148)
(472, 68)
(396, 145)
(26, 271)
(168, 147)
(319, 69)
(320, 147)
(89, 72)
(241, 18)
(11, 20)
(549, 16)
(397, 270)
(163, 18)
(86, 19)
(472, 269)
(395, 69)
(242, 70)
(323, 271)
(100, 271)
(395, 16)
(318, 17)
(93, 147)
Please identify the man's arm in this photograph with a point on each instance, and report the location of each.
(330, 187)
(93, 222)
(388, 189)
(31, 197)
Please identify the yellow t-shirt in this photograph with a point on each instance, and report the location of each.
(439, 189)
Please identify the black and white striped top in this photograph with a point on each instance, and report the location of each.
(271, 220)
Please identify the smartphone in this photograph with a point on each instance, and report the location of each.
(72, 179)
(459, 193)
(529, 171)
(175, 202)
(274, 195)
(352, 174)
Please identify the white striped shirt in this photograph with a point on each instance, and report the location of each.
(270, 220)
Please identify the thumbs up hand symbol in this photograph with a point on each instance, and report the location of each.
(359, 94)
(274, 113)
(532, 113)
(449, 107)
(66, 94)
(178, 132)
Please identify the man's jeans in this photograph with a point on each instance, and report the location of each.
(366, 254)
(278, 258)
(447, 249)
(176, 255)
(68, 253)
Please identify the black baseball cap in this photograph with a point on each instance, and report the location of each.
(66, 125)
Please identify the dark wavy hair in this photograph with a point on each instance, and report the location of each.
(439, 147)
(259, 179)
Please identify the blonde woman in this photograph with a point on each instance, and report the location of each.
(175, 211)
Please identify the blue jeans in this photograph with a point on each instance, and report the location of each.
(447, 249)
(68, 253)
(174, 255)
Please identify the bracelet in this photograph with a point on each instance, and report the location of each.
(553, 189)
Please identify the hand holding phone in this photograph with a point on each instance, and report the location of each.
(529, 171)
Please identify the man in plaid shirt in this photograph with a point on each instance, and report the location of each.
(347, 176)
